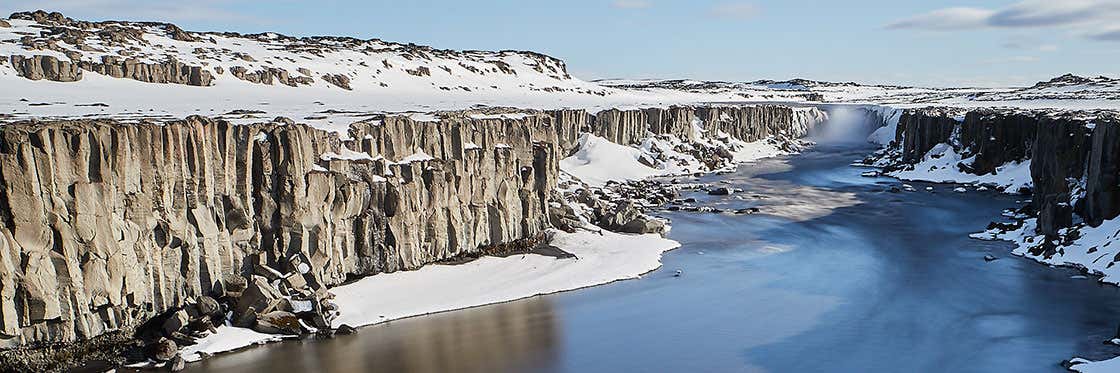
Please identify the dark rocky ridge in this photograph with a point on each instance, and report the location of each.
(108, 225)
(60, 45)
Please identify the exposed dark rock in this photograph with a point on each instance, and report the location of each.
(164, 350)
(339, 80)
(627, 218)
(46, 67)
(720, 191)
(279, 322)
(345, 330)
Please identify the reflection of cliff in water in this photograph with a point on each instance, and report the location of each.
(518, 336)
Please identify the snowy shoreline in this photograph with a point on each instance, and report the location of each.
(601, 259)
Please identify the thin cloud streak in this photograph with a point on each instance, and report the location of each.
(734, 11)
(1092, 17)
(631, 4)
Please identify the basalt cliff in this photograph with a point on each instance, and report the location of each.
(108, 226)
(1074, 159)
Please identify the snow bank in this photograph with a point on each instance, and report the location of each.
(1086, 366)
(599, 161)
(228, 338)
(940, 166)
(1093, 250)
(599, 259)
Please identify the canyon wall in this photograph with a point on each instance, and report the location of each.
(1075, 163)
(746, 123)
(105, 224)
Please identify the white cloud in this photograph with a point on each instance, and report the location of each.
(946, 19)
(630, 4)
(734, 11)
(1012, 59)
(1093, 18)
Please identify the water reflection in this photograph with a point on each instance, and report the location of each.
(518, 336)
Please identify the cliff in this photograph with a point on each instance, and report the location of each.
(1072, 154)
(107, 224)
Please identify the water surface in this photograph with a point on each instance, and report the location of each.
(836, 274)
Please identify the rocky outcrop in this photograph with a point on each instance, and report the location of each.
(270, 75)
(338, 80)
(171, 71)
(46, 67)
(50, 68)
(1075, 166)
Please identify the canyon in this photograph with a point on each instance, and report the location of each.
(160, 187)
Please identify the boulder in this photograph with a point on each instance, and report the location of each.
(164, 350)
(208, 307)
(626, 218)
(175, 322)
(279, 322)
(259, 295)
(233, 285)
(721, 191)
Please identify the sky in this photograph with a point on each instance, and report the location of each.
(929, 42)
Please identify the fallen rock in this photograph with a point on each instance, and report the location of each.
(626, 218)
(279, 322)
(721, 191)
(164, 350)
(208, 307)
(175, 323)
(260, 296)
(177, 363)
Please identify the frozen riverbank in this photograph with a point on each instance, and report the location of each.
(599, 259)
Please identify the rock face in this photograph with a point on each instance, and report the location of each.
(170, 71)
(269, 75)
(1075, 156)
(106, 225)
(746, 123)
(46, 67)
(51, 68)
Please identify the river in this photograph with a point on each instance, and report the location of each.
(835, 274)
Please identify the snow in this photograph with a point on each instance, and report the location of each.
(227, 338)
(419, 156)
(1086, 366)
(1094, 250)
(346, 154)
(599, 259)
(940, 166)
(599, 160)
(514, 116)
(885, 134)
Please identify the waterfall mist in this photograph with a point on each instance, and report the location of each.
(845, 124)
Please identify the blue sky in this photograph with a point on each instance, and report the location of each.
(933, 43)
